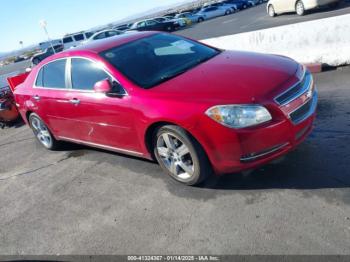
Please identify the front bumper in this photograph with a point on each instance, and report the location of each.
(233, 151)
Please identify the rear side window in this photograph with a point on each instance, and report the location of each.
(85, 74)
(52, 75)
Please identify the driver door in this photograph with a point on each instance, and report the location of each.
(101, 120)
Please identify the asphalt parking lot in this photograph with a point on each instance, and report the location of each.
(256, 18)
(87, 201)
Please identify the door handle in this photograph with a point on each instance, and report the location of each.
(36, 98)
(75, 101)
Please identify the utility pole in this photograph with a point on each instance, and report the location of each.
(43, 25)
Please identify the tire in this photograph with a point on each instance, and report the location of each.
(201, 19)
(245, 6)
(228, 12)
(180, 155)
(35, 61)
(334, 5)
(42, 133)
(271, 11)
(299, 8)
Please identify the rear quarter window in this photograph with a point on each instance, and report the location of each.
(52, 75)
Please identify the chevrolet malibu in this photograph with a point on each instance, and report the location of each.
(196, 109)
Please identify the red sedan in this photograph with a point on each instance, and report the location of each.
(196, 109)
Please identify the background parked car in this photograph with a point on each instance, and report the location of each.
(122, 27)
(195, 18)
(214, 11)
(275, 7)
(36, 59)
(150, 24)
(241, 4)
(255, 2)
(102, 34)
(233, 7)
(75, 39)
(180, 22)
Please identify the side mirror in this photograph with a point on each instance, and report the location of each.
(103, 86)
(113, 89)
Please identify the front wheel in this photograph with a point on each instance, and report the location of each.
(42, 133)
(299, 8)
(180, 155)
(201, 19)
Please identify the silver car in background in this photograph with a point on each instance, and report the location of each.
(102, 35)
(195, 18)
(214, 11)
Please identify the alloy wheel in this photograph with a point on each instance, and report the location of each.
(300, 8)
(175, 156)
(41, 132)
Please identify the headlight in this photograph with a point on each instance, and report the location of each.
(239, 116)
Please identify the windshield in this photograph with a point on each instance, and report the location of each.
(157, 58)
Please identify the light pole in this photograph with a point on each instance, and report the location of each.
(21, 44)
(43, 25)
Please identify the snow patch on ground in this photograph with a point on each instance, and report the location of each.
(319, 41)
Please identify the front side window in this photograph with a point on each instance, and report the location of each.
(79, 37)
(141, 24)
(154, 59)
(67, 39)
(150, 22)
(112, 33)
(85, 74)
(100, 36)
(52, 75)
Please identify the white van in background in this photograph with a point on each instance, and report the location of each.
(73, 40)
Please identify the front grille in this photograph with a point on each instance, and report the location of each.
(295, 91)
(299, 114)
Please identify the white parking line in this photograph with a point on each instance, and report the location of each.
(230, 20)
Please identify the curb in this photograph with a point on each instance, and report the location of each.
(320, 67)
(314, 67)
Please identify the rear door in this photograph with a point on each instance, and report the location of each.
(51, 99)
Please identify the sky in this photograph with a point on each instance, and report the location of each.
(19, 19)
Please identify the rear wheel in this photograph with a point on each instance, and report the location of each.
(299, 8)
(42, 133)
(180, 155)
(271, 11)
(35, 61)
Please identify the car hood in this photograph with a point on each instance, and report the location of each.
(232, 76)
